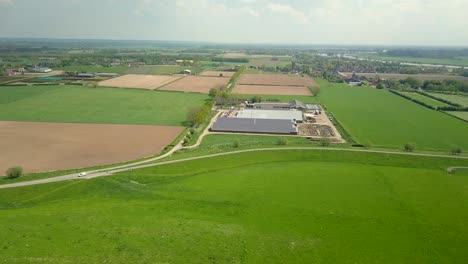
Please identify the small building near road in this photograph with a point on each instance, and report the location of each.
(41, 69)
(254, 125)
(298, 105)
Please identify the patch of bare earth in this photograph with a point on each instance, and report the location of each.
(140, 81)
(269, 89)
(276, 79)
(196, 84)
(39, 147)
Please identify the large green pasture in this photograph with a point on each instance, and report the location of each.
(460, 114)
(454, 98)
(425, 99)
(380, 118)
(265, 207)
(80, 104)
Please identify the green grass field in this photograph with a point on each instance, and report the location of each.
(380, 118)
(79, 104)
(458, 99)
(162, 69)
(266, 207)
(425, 99)
(462, 115)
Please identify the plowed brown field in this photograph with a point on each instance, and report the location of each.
(217, 73)
(140, 81)
(268, 89)
(196, 84)
(58, 146)
(276, 79)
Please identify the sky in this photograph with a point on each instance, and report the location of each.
(340, 22)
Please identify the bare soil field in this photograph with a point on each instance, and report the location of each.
(234, 55)
(276, 79)
(422, 77)
(196, 84)
(140, 81)
(272, 89)
(217, 73)
(39, 147)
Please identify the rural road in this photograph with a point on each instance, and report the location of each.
(142, 164)
(452, 169)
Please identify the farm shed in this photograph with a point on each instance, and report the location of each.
(254, 125)
(271, 114)
(41, 69)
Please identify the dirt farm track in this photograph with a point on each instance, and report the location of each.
(41, 147)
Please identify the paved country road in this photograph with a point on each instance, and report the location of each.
(144, 164)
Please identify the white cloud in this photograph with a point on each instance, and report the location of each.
(290, 11)
(6, 2)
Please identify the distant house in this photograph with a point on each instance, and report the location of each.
(86, 75)
(10, 73)
(136, 63)
(353, 82)
(41, 69)
(298, 105)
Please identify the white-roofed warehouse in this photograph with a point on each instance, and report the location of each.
(292, 115)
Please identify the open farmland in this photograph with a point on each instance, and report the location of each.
(276, 79)
(459, 114)
(269, 89)
(454, 98)
(247, 208)
(140, 81)
(423, 77)
(60, 146)
(218, 73)
(425, 99)
(80, 104)
(380, 118)
(161, 69)
(196, 84)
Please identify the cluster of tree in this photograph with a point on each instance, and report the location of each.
(235, 60)
(428, 53)
(197, 115)
(445, 85)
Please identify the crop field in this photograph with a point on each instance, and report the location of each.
(92, 68)
(422, 77)
(460, 114)
(454, 98)
(269, 89)
(79, 104)
(59, 146)
(380, 118)
(140, 81)
(218, 73)
(425, 99)
(196, 84)
(162, 69)
(247, 208)
(276, 79)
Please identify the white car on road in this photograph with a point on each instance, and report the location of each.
(82, 174)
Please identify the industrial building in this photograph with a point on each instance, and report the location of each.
(298, 105)
(291, 115)
(253, 125)
(41, 69)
